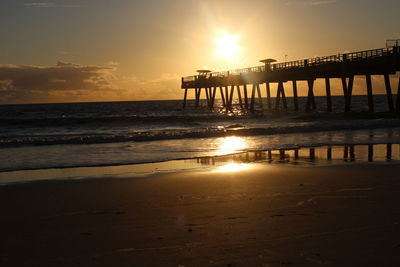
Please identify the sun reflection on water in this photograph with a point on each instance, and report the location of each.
(232, 144)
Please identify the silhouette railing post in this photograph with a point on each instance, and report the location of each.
(383, 61)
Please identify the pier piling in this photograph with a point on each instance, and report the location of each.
(369, 93)
(389, 92)
(328, 95)
(268, 89)
(295, 100)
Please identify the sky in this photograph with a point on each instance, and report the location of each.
(128, 50)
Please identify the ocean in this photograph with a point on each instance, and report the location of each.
(70, 135)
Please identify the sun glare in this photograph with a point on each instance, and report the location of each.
(226, 46)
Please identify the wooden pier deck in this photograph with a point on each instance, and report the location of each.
(383, 61)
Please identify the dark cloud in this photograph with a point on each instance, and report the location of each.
(47, 5)
(23, 81)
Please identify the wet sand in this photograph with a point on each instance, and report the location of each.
(268, 215)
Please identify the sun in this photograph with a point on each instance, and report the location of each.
(226, 46)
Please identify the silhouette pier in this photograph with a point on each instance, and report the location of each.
(383, 62)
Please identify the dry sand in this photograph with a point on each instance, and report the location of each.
(266, 216)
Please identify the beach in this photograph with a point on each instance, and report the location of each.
(150, 184)
(262, 215)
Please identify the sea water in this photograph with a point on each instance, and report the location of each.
(45, 136)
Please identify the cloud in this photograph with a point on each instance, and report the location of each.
(23, 83)
(321, 2)
(48, 5)
(312, 2)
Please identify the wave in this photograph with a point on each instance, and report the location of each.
(64, 121)
(231, 130)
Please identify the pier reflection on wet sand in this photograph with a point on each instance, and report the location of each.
(313, 155)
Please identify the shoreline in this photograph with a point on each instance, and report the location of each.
(329, 155)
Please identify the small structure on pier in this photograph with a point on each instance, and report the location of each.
(268, 62)
(383, 61)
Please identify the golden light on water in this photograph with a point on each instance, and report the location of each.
(226, 46)
(232, 144)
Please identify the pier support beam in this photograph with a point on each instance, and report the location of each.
(347, 92)
(214, 92)
(350, 92)
(226, 98)
(328, 95)
(296, 154)
(352, 153)
(346, 153)
(222, 96)
(369, 92)
(277, 98)
(239, 96)
(295, 100)
(280, 92)
(370, 153)
(207, 96)
(268, 89)
(389, 92)
(312, 154)
(283, 96)
(310, 98)
(198, 93)
(210, 95)
(246, 99)
(329, 153)
(231, 96)
(259, 96)
(282, 154)
(253, 95)
(184, 98)
(389, 152)
(344, 85)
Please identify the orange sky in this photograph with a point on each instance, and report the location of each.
(122, 50)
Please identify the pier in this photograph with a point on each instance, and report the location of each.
(383, 62)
